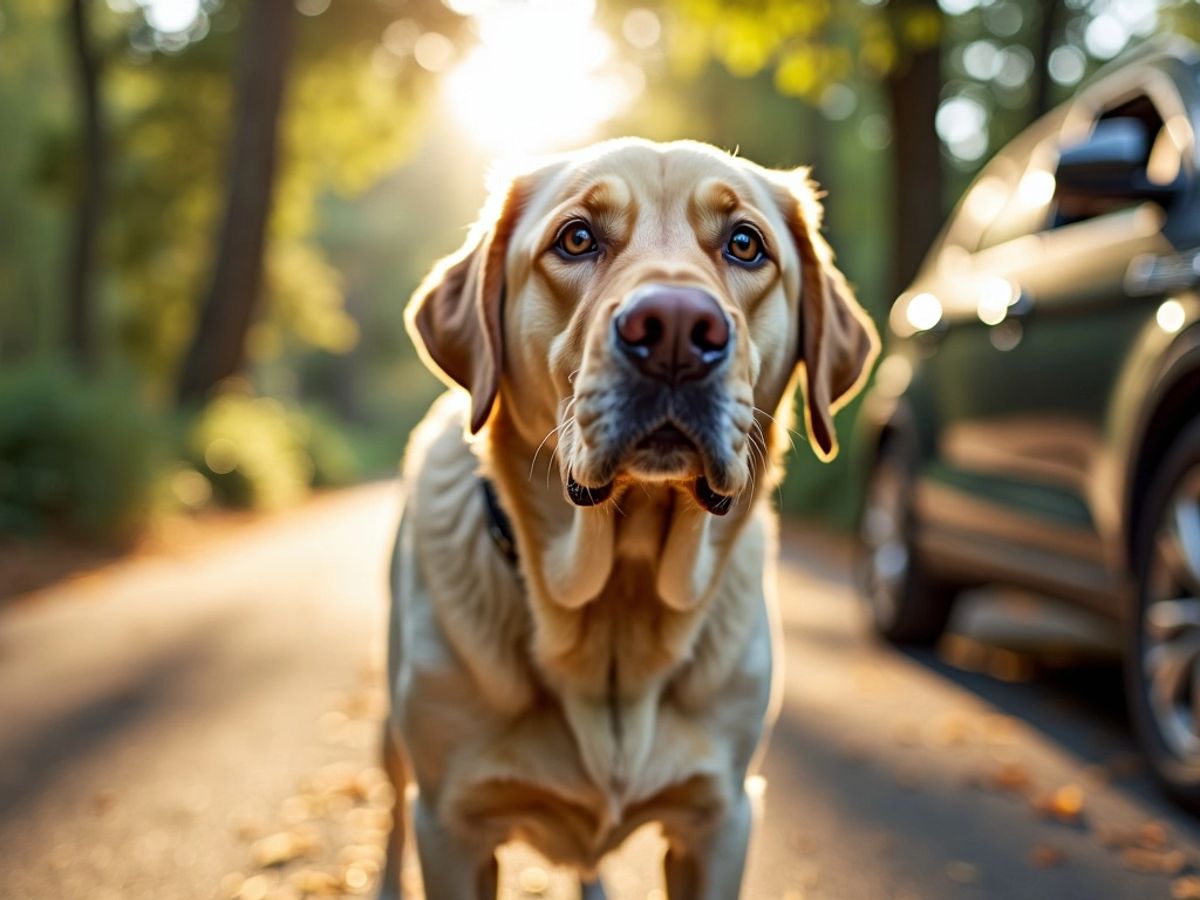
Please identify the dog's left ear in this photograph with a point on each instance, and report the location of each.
(838, 342)
(455, 316)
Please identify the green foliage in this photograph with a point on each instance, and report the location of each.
(258, 453)
(808, 46)
(335, 459)
(252, 450)
(77, 455)
(352, 113)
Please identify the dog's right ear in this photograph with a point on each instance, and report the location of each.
(455, 317)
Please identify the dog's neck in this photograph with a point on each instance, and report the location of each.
(650, 551)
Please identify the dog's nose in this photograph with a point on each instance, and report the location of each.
(673, 334)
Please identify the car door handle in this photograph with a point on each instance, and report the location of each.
(1150, 274)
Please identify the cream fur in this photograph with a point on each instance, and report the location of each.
(625, 674)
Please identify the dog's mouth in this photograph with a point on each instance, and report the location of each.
(665, 454)
(667, 439)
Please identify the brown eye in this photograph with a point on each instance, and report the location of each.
(745, 245)
(576, 239)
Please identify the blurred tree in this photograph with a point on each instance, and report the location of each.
(914, 89)
(815, 44)
(81, 287)
(218, 345)
(1046, 36)
(36, 93)
(349, 112)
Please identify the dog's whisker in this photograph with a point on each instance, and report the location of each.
(533, 463)
(788, 432)
(554, 454)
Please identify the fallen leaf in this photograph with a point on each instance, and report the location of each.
(283, 847)
(231, 884)
(1009, 776)
(961, 872)
(256, 887)
(1065, 804)
(250, 828)
(1186, 888)
(1046, 856)
(953, 731)
(1152, 835)
(999, 729)
(315, 881)
(1153, 862)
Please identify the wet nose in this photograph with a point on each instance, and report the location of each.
(673, 334)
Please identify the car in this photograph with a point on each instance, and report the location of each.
(1035, 419)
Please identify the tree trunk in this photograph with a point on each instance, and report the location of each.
(914, 88)
(1044, 44)
(217, 350)
(81, 286)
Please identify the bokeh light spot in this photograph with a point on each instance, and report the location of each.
(171, 16)
(1170, 316)
(924, 311)
(433, 51)
(641, 28)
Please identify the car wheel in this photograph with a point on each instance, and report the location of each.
(905, 604)
(1163, 663)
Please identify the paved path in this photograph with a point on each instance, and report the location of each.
(172, 723)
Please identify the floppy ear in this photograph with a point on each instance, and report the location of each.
(837, 341)
(455, 315)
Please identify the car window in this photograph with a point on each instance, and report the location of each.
(1017, 194)
(1138, 123)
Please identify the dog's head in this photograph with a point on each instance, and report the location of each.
(644, 305)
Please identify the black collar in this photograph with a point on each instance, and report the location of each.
(499, 525)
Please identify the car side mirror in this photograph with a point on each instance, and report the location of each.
(1111, 164)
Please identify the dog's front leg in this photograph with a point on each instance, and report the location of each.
(395, 765)
(452, 868)
(709, 865)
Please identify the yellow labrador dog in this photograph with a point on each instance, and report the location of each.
(581, 640)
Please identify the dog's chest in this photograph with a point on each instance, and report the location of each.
(625, 648)
(544, 783)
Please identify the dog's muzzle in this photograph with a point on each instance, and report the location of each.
(673, 338)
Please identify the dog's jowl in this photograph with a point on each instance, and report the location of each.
(581, 633)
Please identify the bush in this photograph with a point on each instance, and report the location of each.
(335, 459)
(253, 450)
(77, 454)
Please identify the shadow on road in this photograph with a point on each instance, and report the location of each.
(99, 716)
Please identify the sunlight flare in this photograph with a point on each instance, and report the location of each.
(541, 78)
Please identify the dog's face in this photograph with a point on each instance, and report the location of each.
(645, 306)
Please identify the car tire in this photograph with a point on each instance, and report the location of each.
(1162, 661)
(905, 604)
